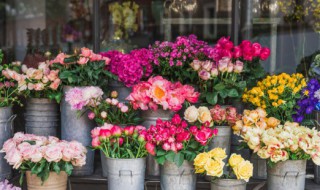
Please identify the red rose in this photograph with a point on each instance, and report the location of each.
(184, 136)
(265, 53)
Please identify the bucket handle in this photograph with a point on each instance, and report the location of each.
(10, 120)
(126, 173)
(180, 178)
(296, 174)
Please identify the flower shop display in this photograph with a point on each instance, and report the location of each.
(172, 59)
(46, 161)
(41, 87)
(277, 94)
(286, 148)
(5, 185)
(211, 163)
(124, 154)
(75, 124)
(174, 146)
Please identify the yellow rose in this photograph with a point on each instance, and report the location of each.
(272, 122)
(201, 159)
(199, 169)
(235, 159)
(191, 114)
(243, 170)
(218, 154)
(237, 127)
(279, 155)
(214, 168)
(263, 153)
(204, 114)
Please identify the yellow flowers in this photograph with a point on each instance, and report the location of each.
(211, 163)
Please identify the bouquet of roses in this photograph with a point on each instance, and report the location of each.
(284, 142)
(4, 185)
(309, 100)
(221, 80)
(41, 82)
(254, 119)
(212, 164)
(85, 69)
(112, 111)
(249, 53)
(278, 94)
(40, 155)
(215, 116)
(116, 142)
(172, 59)
(174, 141)
(130, 68)
(158, 91)
(79, 98)
(8, 84)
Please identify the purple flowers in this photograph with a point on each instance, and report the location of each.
(130, 68)
(309, 99)
(4, 185)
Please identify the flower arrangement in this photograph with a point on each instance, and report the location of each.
(254, 119)
(314, 71)
(9, 86)
(174, 141)
(212, 164)
(112, 111)
(40, 82)
(85, 69)
(215, 116)
(40, 155)
(130, 68)
(247, 52)
(4, 185)
(124, 17)
(172, 59)
(79, 98)
(284, 142)
(116, 142)
(278, 94)
(158, 91)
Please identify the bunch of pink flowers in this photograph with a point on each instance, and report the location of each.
(158, 91)
(78, 98)
(246, 51)
(174, 135)
(130, 68)
(227, 115)
(24, 148)
(4, 185)
(208, 69)
(117, 142)
(85, 56)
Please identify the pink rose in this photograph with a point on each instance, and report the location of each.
(78, 148)
(237, 52)
(67, 154)
(116, 131)
(150, 148)
(80, 161)
(214, 71)
(95, 57)
(201, 138)
(166, 146)
(59, 59)
(37, 155)
(107, 60)
(85, 52)
(256, 47)
(91, 115)
(204, 75)
(265, 53)
(38, 86)
(238, 66)
(83, 60)
(114, 101)
(124, 109)
(53, 75)
(8, 145)
(53, 153)
(223, 64)
(14, 158)
(140, 96)
(18, 137)
(218, 114)
(230, 67)
(95, 132)
(196, 64)
(207, 65)
(55, 84)
(179, 146)
(184, 136)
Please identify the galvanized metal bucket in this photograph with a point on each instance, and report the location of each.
(6, 132)
(174, 177)
(245, 152)
(149, 118)
(42, 117)
(104, 164)
(228, 184)
(123, 91)
(223, 139)
(126, 173)
(287, 175)
(79, 129)
(54, 182)
(259, 167)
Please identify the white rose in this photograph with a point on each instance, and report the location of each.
(204, 115)
(191, 114)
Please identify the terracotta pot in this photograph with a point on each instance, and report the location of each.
(54, 182)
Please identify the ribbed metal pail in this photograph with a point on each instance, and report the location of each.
(228, 184)
(54, 182)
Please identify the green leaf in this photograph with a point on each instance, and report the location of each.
(178, 159)
(56, 167)
(161, 152)
(219, 86)
(160, 159)
(68, 168)
(212, 98)
(233, 93)
(170, 156)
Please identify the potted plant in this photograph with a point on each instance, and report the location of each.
(124, 153)
(5, 185)
(8, 97)
(41, 87)
(212, 164)
(163, 98)
(287, 148)
(46, 161)
(80, 70)
(174, 146)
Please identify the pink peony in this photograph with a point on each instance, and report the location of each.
(83, 60)
(86, 52)
(95, 142)
(75, 98)
(150, 148)
(91, 115)
(95, 132)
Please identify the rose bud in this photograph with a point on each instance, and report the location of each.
(120, 141)
(214, 71)
(116, 131)
(124, 109)
(104, 135)
(103, 114)
(91, 115)
(196, 64)
(114, 101)
(238, 66)
(207, 65)
(230, 68)
(114, 94)
(108, 100)
(128, 130)
(179, 146)
(193, 129)
(142, 138)
(204, 75)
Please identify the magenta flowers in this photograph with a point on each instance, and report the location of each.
(158, 91)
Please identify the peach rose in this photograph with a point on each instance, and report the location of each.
(53, 153)
(204, 115)
(272, 122)
(83, 60)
